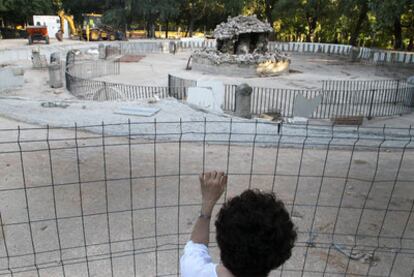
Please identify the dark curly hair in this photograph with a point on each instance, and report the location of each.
(255, 234)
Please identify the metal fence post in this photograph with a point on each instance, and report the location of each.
(412, 96)
(169, 85)
(410, 84)
(396, 92)
(106, 91)
(371, 104)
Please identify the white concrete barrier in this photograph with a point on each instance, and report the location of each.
(11, 78)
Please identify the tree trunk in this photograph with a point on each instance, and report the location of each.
(191, 28)
(269, 16)
(361, 18)
(150, 28)
(312, 27)
(398, 42)
(268, 12)
(167, 26)
(192, 19)
(410, 46)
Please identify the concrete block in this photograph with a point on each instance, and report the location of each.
(55, 75)
(218, 93)
(102, 51)
(138, 111)
(305, 107)
(18, 71)
(10, 80)
(38, 60)
(243, 101)
(201, 97)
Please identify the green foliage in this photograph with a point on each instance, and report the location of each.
(394, 17)
(375, 23)
(78, 7)
(115, 17)
(21, 11)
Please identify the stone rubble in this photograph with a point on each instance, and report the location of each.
(241, 25)
(243, 40)
(218, 57)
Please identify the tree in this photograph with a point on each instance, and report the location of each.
(408, 23)
(307, 14)
(169, 10)
(349, 9)
(117, 13)
(22, 11)
(389, 14)
(232, 7)
(78, 7)
(269, 6)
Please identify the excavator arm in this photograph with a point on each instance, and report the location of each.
(69, 19)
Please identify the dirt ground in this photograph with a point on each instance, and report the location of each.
(308, 72)
(368, 209)
(18, 43)
(85, 195)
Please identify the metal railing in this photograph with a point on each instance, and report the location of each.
(375, 102)
(375, 56)
(339, 98)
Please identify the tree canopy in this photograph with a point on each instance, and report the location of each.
(372, 23)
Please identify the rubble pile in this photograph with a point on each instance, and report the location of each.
(241, 25)
(217, 57)
(242, 40)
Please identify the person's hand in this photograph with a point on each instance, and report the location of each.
(213, 185)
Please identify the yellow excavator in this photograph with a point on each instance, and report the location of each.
(69, 18)
(92, 28)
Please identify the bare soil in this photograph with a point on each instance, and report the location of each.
(367, 209)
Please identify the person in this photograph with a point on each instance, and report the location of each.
(254, 232)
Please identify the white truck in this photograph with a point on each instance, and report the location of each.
(52, 22)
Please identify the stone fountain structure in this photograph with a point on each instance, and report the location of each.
(242, 51)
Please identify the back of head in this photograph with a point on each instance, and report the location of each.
(255, 234)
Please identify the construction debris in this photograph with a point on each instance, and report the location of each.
(138, 111)
(38, 60)
(54, 105)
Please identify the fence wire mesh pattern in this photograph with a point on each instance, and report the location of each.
(121, 199)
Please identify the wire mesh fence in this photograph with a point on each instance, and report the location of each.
(121, 199)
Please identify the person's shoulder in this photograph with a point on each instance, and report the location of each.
(196, 261)
(194, 269)
(197, 250)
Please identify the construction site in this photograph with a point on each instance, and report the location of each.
(102, 141)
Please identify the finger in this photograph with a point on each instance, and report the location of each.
(218, 177)
(207, 175)
(214, 174)
(223, 180)
(201, 177)
(220, 174)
